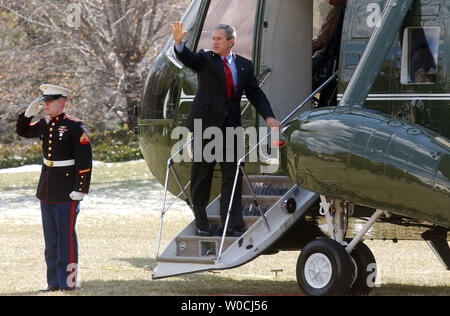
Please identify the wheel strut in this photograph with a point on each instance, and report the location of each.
(364, 230)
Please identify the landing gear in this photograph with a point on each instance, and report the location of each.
(324, 268)
(336, 266)
(365, 271)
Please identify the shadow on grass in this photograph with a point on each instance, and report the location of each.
(190, 285)
(212, 285)
(410, 290)
(215, 284)
(144, 263)
(207, 284)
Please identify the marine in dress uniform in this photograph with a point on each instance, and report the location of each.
(65, 178)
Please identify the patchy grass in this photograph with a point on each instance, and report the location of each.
(117, 231)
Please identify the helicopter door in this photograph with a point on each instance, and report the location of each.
(286, 48)
(239, 14)
(242, 16)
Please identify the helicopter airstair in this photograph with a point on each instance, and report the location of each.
(271, 205)
(189, 253)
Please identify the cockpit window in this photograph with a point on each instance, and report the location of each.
(237, 13)
(420, 55)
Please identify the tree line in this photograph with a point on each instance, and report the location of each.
(100, 49)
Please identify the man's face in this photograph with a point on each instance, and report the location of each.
(221, 45)
(55, 107)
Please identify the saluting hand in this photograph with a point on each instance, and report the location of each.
(34, 108)
(177, 31)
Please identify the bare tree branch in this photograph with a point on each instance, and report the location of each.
(104, 59)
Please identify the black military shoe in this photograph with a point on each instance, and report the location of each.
(228, 234)
(203, 232)
(233, 232)
(50, 289)
(238, 232)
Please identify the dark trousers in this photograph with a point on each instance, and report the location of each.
(201, 179)
(61, 246)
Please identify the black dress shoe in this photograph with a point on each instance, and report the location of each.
(50, 289)
(238, 232)
(228, 234)
(233, 232)
(203, 232)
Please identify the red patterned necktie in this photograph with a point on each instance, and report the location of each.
(230, 83)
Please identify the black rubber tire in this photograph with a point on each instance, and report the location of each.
(366, 267)
(341, 266)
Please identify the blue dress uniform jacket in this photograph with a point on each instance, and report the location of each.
(63, 138)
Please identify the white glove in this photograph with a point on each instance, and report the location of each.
(76, 196)
(33, 109)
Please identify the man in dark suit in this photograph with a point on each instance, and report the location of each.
(222, 78)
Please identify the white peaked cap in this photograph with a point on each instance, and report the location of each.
(50, 89)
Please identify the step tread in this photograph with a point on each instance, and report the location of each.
(261, 197)
(267, 178)
(202, 238)
(185, 259)
(193, 243)
(266, 197)
(268, 185)
(246, 217)
(249, 220)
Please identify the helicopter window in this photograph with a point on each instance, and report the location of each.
(420, 55)
(235, 13)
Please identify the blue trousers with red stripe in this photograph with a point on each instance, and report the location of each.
(61, 246)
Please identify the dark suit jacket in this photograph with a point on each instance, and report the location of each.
(211, 103)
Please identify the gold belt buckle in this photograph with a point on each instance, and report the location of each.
(49, 163)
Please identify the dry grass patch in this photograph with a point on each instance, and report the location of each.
(117, 232)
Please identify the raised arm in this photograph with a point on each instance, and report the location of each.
(177, 32)
(188, 58)
(24, 127)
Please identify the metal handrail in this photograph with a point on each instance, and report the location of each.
(170, 162)
(240, 161)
